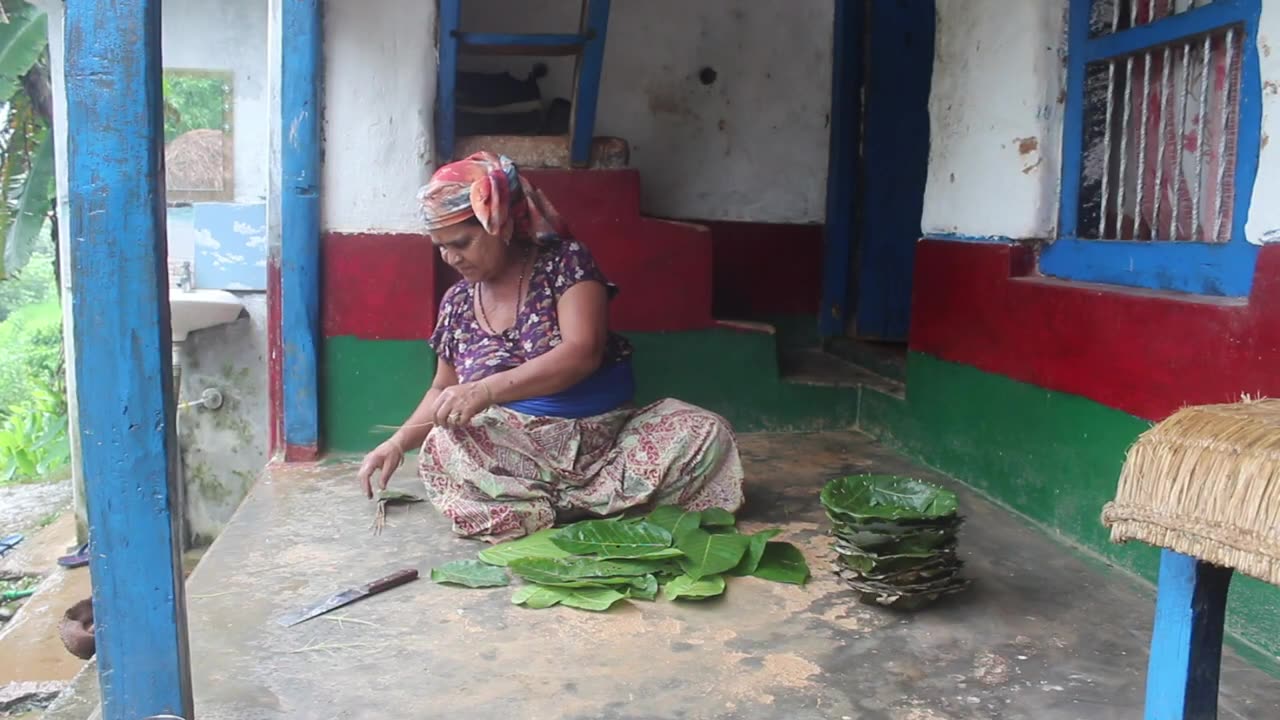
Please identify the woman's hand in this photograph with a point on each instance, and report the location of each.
(456, 405)
(385, 459)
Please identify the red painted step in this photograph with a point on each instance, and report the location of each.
(387, 286)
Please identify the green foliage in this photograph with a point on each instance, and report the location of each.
(707, 554)
(33, 406)
(471, 573)
(33, 438)
(30, 194)
(784, 563)
(193, 101)
(537, 545)
(613, 539)
(886, 497)
(35, 284)
(694, 589)
(22, 43)
(755, 551)
(26, 145)
(541, 597)
(594, 564)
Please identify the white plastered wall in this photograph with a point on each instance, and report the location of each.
(750, 145)
(380, 87)
(996, 113)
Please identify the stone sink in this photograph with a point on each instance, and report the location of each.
(191, 310)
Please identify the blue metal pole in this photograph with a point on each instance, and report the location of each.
(120, 311)
(301, 77)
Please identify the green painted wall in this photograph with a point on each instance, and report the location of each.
(366, 383)
(1050, 456)
(379, 382)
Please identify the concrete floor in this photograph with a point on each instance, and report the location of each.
(30, 649)
(1041, 635)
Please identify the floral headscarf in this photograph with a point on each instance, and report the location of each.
(488, 187)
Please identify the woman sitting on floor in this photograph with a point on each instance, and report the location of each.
(529, 416)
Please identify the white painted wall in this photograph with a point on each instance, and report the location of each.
(750, 146)
(998, 77)
(1264, 212)
(380, 87)
(228, 35)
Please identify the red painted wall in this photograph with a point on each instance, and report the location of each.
(673, 276)
(764, 269)
(1147, 353)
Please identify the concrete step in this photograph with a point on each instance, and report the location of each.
(815, 367)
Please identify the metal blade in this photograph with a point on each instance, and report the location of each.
(334, 602)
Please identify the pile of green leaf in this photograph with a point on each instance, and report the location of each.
(895, 538)
(590, 565)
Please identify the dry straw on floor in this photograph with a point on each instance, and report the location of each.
(1206, 483)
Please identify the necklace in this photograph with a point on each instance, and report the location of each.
(484, 314)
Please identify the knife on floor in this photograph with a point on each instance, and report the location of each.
(348, 596)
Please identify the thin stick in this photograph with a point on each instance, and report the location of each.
(327, 647)
(213, 595)
(340, 619)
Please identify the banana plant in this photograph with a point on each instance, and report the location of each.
(27, 188)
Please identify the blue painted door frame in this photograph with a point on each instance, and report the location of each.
(875, 198)
(842, 166)
(301, 85)
(587, 45)
(120, 313)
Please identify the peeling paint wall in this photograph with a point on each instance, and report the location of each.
(996, 115)
(1264, 212)
(380, 80)
(725, 102)
(224, 450)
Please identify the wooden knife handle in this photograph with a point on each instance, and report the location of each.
(395, 579)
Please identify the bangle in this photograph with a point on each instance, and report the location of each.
(488, 391)
(395, 442)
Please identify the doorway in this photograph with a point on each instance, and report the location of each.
(879, 163)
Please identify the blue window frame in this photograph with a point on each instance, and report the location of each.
(1160, 146)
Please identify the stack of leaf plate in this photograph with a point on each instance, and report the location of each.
(895, 538)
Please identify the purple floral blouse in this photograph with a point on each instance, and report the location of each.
(475, 353)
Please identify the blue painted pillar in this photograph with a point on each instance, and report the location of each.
(586, 85)
(450, 22)
(301, 100)
(1186, 643)
(120, 311)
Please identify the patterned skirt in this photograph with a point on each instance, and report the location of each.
(507, 474)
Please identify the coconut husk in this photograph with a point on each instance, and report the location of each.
(1206, 483)
(76, 629)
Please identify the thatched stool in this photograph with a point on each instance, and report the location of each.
(1205, 485)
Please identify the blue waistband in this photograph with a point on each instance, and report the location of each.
(605, 390)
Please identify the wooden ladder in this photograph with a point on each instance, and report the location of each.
(587, 45)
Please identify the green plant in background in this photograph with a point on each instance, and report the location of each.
(33, 438)
(33, 406)
(591, 565)
(193, 101)
(26, 140)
